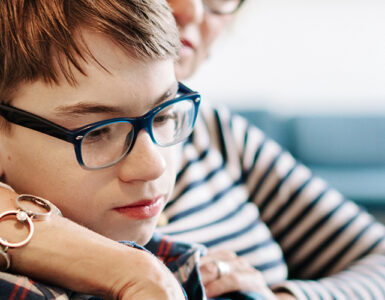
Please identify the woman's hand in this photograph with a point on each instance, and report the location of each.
(241, 276)
(70, 256)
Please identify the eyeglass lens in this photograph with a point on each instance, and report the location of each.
(173, 123)
(223, 6)
(107, 144)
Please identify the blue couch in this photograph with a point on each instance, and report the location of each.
(347, 151)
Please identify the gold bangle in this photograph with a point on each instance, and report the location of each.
(22, 217)
(45, 204)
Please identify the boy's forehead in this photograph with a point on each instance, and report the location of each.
(81, 108)
(102, 48)
(99, 51)
(112, 78)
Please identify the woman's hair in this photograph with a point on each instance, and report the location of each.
(39, 38)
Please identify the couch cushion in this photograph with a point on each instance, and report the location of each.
(362, 184)
(342, 141)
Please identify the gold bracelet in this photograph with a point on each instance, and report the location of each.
(22, 217)
(48, 206)
(25, 216)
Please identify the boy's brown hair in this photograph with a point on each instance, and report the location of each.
(36, 36)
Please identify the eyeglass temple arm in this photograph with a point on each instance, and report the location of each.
(34, 122)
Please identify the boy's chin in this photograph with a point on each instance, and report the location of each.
(144, 239)
(140, 240)
(140, 235)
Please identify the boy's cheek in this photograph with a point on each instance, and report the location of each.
(174, 158)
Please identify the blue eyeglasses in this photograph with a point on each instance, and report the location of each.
(103, 144)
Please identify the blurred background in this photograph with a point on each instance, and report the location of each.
(311, 73)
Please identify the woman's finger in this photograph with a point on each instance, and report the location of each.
(209, 272)
(252, 282)
(209, 264)
(223, 272)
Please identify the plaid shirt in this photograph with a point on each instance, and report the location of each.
(181, 258)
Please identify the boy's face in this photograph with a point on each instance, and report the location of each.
(122, 201)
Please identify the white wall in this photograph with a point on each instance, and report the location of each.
(300, 56)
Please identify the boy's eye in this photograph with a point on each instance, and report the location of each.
(98, 134)
(164, 117)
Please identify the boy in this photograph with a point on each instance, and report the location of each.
(79, 81)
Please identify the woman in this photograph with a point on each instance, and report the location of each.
(239, 192)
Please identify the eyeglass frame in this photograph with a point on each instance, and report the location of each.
(31, 121)
(212, 10)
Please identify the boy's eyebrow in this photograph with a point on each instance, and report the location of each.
(94, 108)
(85, 108)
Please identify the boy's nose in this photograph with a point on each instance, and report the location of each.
(187, 11)
(145, 161)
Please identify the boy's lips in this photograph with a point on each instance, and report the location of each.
(142, 209)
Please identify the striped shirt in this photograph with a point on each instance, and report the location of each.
(238, 190)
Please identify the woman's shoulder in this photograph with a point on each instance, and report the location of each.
(222, 117)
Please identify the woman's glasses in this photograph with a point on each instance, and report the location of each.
(222, 7)
(103, 144)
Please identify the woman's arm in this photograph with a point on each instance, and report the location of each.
(65, 254)
(331, 246)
